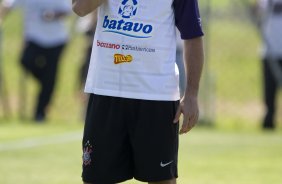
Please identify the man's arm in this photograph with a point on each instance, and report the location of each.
(50, 15)
(256, 11)
(3, 13)
(84, 7)
(194, 60)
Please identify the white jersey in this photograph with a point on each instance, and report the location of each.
(272, 26)
(140, 63)
(35, 27)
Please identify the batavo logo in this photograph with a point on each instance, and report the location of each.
(128, 8)
(125, 26)
(120, 58)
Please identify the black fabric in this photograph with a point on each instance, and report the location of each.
(270, 93)
(126, 138)
(42, 63)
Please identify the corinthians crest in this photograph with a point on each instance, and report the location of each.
(128, 8)
(87, 150)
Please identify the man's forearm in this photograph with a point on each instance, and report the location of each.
(194, 60)
(84, 7)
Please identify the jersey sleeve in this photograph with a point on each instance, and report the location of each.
(187, 18)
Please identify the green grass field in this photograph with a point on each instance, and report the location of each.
(51, 153)
(232, 151)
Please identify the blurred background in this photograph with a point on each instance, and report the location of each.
(228, 146)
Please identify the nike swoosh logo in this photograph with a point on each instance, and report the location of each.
(165, 164)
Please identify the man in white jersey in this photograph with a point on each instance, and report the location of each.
(131, 127)
(269, 13)
(45, 36)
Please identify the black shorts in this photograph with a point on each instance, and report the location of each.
(125, 138)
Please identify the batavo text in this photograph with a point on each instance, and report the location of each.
(126, 26)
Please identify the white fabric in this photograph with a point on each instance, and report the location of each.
(271, 29)
(147, 68)
(84, 23)
(35, 27)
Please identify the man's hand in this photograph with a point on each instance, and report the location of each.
(50, 15)
(190, 110)
(84, 7)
